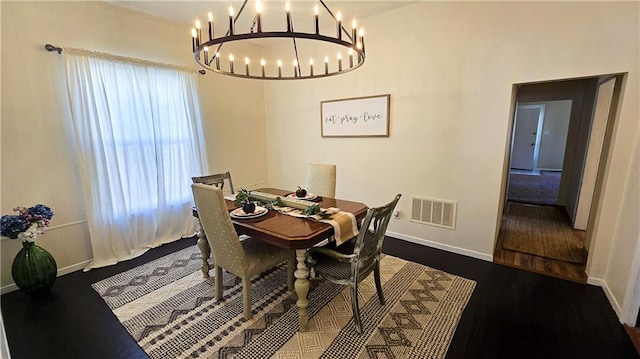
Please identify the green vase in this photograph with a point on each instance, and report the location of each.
(34, 269)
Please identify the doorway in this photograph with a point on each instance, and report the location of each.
(568, 151)
(537, 153)
(525, 150)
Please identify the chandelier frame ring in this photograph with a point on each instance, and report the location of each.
(359, 54)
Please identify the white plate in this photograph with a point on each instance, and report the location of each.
(308, 197)
(239, 213)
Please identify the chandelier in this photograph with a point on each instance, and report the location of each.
(210, 54)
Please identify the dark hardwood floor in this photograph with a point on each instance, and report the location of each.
(556, 268)
(511, 314)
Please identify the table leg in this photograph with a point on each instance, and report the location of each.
(302, 288)
(205, 251)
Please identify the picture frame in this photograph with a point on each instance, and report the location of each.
(355, 117)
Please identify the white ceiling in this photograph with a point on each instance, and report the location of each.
(274, 16)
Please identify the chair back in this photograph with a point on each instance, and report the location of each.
(321, 180)
(218, 228)
(369, 241)
(215, 180)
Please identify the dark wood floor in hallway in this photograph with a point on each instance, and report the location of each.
(511, 314)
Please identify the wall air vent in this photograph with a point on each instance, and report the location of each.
(434, 212)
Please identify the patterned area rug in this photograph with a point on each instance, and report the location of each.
(180, 318)
(540, 189)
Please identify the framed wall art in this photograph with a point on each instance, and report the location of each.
(355, 117)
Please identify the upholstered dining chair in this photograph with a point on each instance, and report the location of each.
(245, 258)
(321, 180)
(215, 180)
(352, 262)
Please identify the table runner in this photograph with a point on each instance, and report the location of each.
(345, 225)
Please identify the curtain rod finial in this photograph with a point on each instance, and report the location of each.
(52, 48)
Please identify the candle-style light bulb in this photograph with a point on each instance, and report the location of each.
(210, 16)
(198, 28)
(339, 18)
(246, 66)
(259, 15)
(311, 66)
(230, 20)
(350, 57)
(362, 38)
(262, 62)
(206, 55)
(295, 68)
(287, 9)
(194, 35)
(217, 60)
(353, 30)
(339, 61)
(231, 63)
(326, 64)
(279, 68)
(315, 12)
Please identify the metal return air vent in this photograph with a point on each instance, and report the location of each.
(434, 212)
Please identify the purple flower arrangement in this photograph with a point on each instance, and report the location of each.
(28, 223)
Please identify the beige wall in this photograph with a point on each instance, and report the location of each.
(626, 243)
(450, 68)
(38, 161)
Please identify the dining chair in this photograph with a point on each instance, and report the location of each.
(215, 180)
(321, 180)
(245, 258)
(352, 262)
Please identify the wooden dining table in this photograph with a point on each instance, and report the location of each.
(288, 232)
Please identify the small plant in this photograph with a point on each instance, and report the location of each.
(242, 199)
(242, 196)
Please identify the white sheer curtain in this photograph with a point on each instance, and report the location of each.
(139, 141)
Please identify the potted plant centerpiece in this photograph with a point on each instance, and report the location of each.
(242, 199)
(34, 270)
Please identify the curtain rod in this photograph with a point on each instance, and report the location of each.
(53, 48)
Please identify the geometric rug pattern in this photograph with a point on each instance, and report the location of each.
(181, 319)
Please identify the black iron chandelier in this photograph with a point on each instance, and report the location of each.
(209, 54)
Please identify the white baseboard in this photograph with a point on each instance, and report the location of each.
(444, 247)
(612, 299)
(62, 271)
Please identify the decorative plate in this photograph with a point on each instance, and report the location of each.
(238, 213)
(308, 197)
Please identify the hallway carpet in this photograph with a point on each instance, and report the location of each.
(534, 189)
